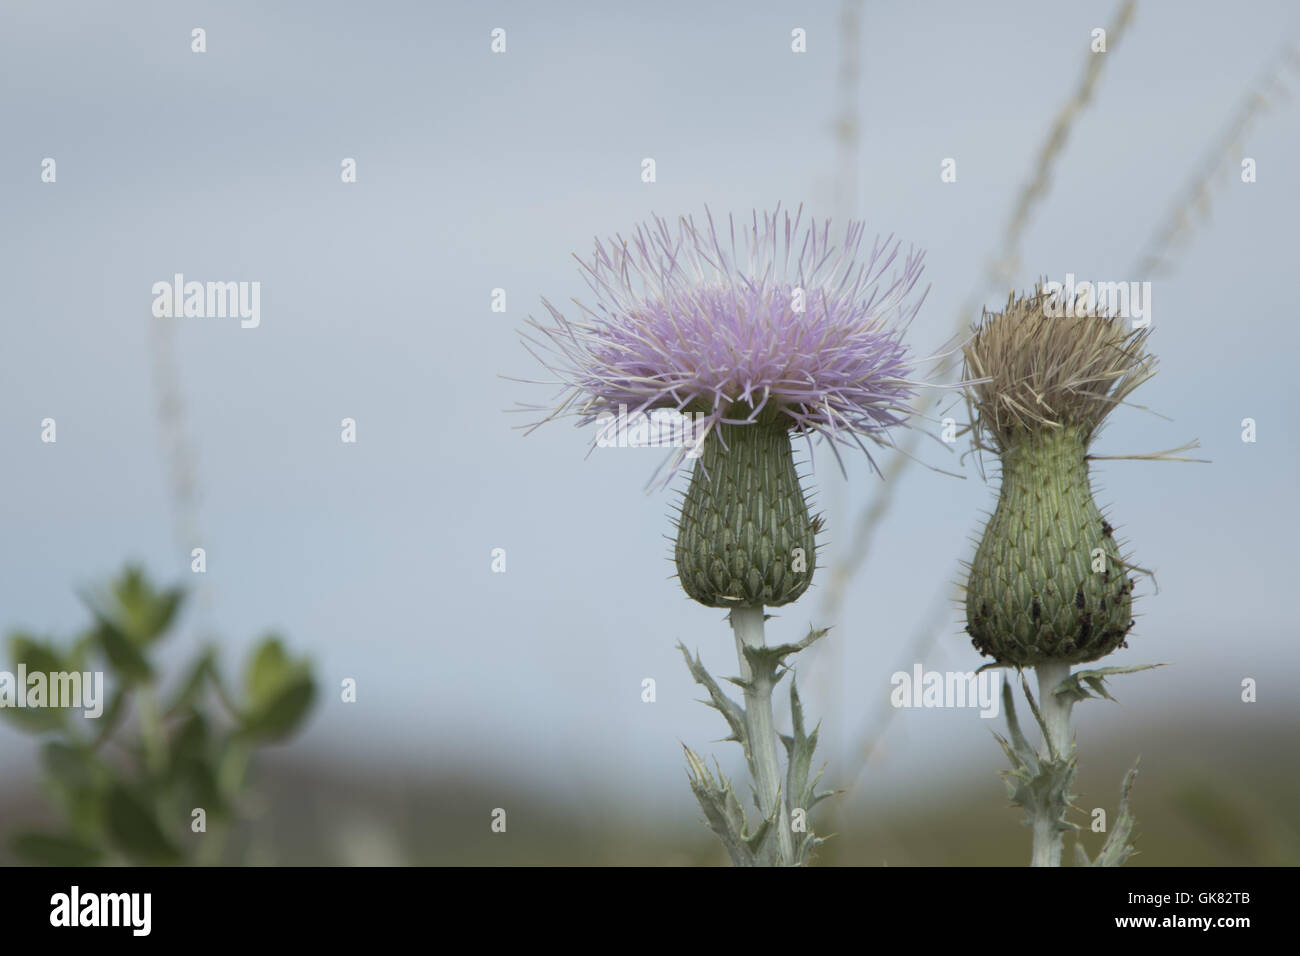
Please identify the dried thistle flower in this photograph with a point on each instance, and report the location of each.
(1048, 582)
(1048, 587)
(1040, 371)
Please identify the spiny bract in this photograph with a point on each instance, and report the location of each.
(744, 535)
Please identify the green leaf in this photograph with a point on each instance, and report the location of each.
(71, 766)
(130, 588)
(38, 657)
(144, 614)
(279, 716)
(121, 651)
(190, 742)
(278, 692)
(192, 765)
(139, 613)
(50, 849)
(84, 810)
(189, 690)
(267, 670)
(134, 828)
(205, 790)
(108, 721)
(159, 617)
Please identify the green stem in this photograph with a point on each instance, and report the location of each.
(764, 744)
(1048, 827)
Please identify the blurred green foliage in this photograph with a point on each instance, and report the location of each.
(1216, 788)
(156, 778)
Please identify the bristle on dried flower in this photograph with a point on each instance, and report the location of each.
(1038, 370)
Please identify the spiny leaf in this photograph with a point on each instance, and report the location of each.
(729, 709)
(1041, 786)
(1118, 846)
(722, 811)
(1018, 740)
(799, 750)
(766, 661)
(1073, 690)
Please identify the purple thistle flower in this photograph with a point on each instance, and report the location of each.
(707, 322)
(760, 337)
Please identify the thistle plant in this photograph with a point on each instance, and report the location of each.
(1048, 587)
(763, 333)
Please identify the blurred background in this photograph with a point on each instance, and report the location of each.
(478, 171)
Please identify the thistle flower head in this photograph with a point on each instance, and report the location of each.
(767, 322)
(1045, 367)
(1048, 582)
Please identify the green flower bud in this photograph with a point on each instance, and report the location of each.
(1048, 582)
(744, 535)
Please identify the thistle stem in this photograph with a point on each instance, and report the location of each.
(747, 622)
(1049, 834)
